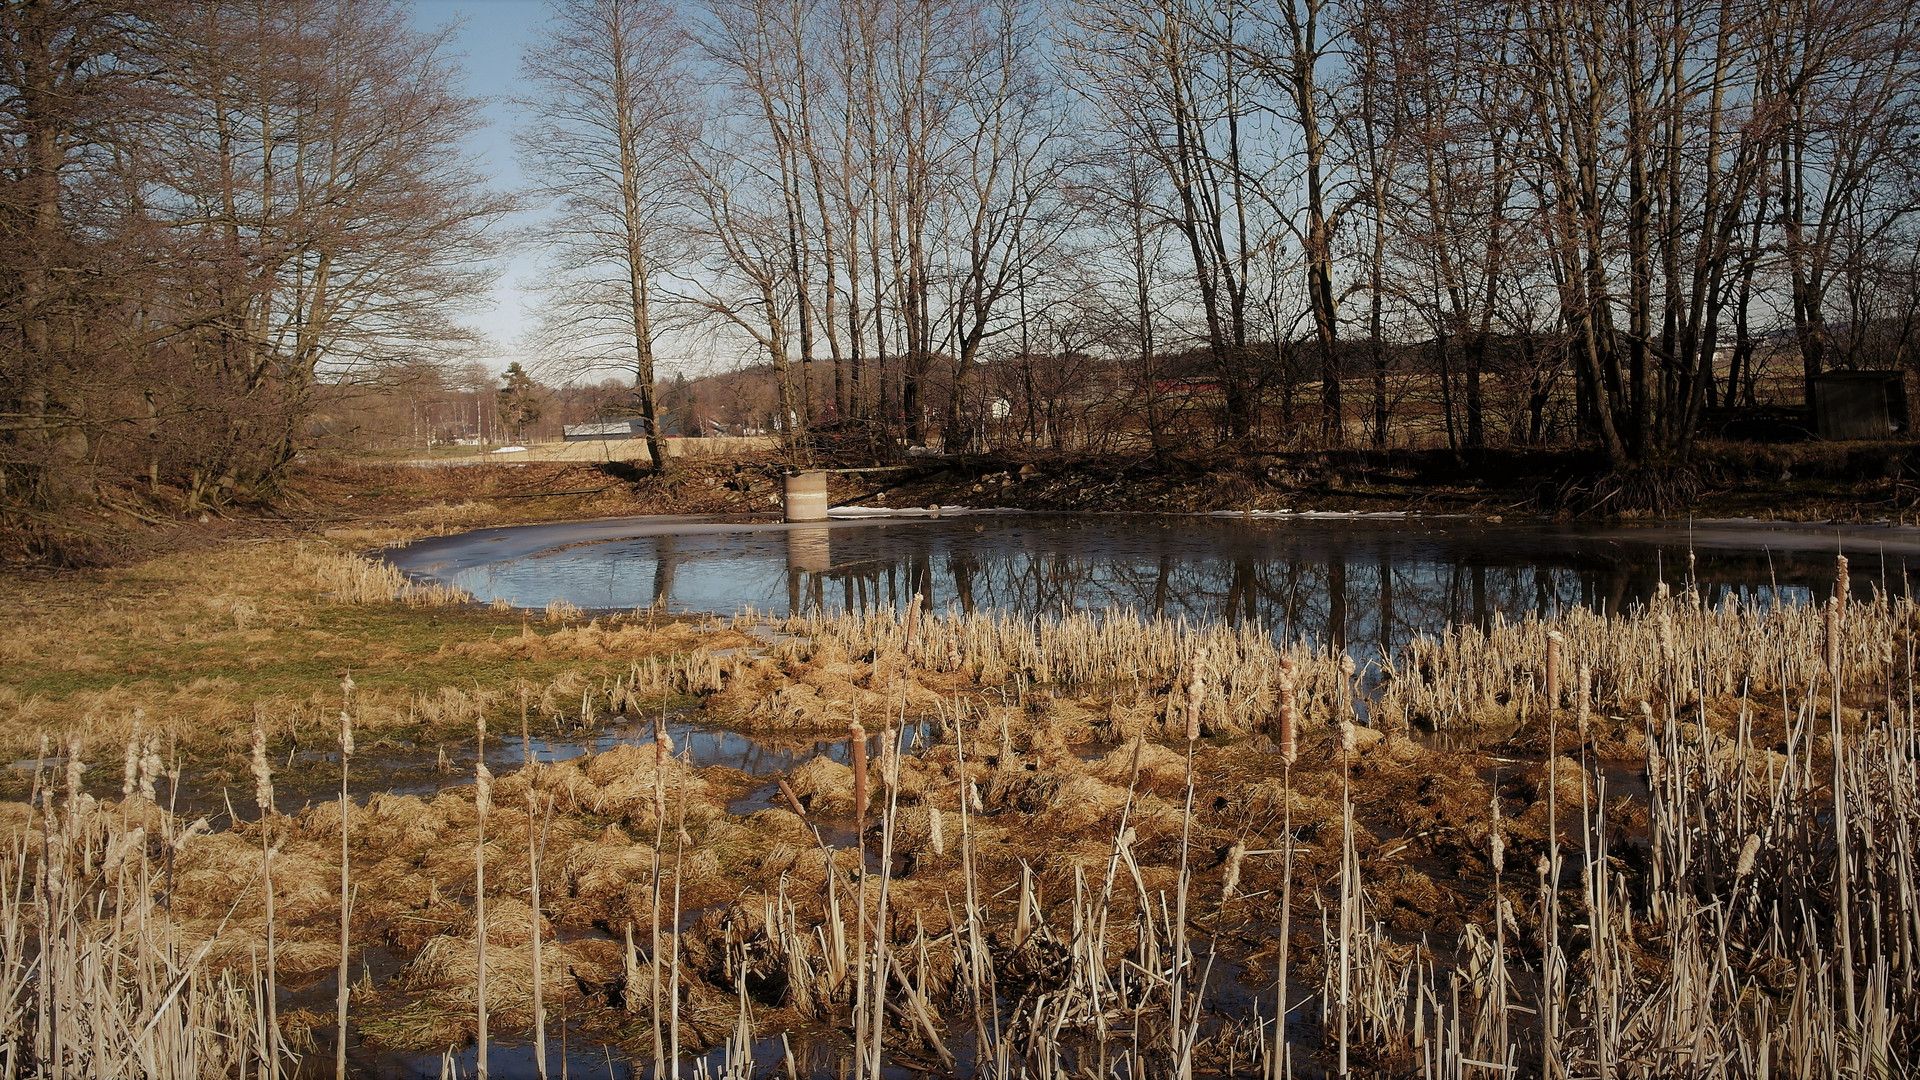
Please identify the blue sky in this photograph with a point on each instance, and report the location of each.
(489, 35)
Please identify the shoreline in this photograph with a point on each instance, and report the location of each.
(383, 500)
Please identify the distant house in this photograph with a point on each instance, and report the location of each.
(631, 428)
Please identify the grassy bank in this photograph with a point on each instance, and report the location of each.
(197, 645)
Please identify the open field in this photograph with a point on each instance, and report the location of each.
(1669, 844)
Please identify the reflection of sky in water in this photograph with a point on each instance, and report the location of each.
(1364, 582)
(765, 755)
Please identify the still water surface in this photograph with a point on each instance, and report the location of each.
(1357, 582)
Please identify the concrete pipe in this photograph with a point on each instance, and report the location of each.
(807, 496)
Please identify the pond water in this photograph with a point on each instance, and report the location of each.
(1359, 582)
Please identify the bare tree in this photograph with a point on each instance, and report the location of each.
(224, 204)
(610, 123)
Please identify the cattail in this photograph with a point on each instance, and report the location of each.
(662, 750)
(150, 766)
(890, 757)
(857, 745)
(263, 798)
(1833, 638)
(1196, 694)
(482, 790)
(974, 802)
(482, 804)
(936, 832)
(132, 773)
(793, 800)
(1349, 738)
(346, 895)
(262, 774)
(1497, 842)
(74, 768)
(1842, 584)
(1749, 851)
(1554, 641)
(1289, 752)
(1230, 880)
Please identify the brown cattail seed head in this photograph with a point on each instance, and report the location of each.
(1833, 638)
(1289, 719)
(1497, 841)
(857, 743)
(1349, 738)
(150, 766)
(262, 774)
(1230, 879)
(1749, 851)
(346, 734)
(1196, 694)
(131, 774)
(482, 789)
(936, 832)
(1842, 583)
(890, 762)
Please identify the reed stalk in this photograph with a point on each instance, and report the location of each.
(482, 806)
(346, 892)
(263, 799)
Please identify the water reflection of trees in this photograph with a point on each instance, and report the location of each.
(1367, 597)
(1368, 588)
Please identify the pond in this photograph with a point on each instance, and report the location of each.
(1363, 583)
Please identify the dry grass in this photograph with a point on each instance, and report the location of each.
(194, 645)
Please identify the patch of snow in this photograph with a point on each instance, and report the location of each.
(855, 512)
